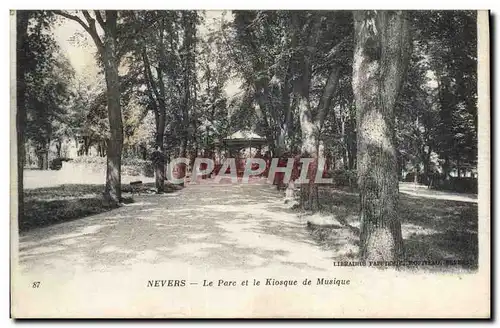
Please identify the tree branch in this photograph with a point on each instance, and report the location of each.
(149, 76)
(72, 17)
(99, 18)
(90, 28)
(328, 92)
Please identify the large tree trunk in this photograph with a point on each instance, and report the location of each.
(159, 109)
(446, 168)
(86, 145)
(351, 141)
(22, 17)
(427, 165)
(181, 167)
(286, 104)
(345, 149)
(104, 146)
(380, 60)
(160, 164)
(115, 142)
(46, 149)
(58, 148)
(311, 126)
(309, 192)
(161, 116)
(311, 129)
(42, 156)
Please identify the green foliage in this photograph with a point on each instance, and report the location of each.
(464, 185)
(438, 104)
(278, 54)
(89, 160)
(56, 164)
(48, 80)
(102, 160)
(87, 114)
(182, 63)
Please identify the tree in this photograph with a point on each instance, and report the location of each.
(163, 59)
(380, 60)
(437, 110)
(416, 114)
(259, 45)
(189, 20)
(22, 19)
(292, 63)
(310, 62)
(453, 58)
(150, 53)
(86, 120)
(215, 67)
(107, 47)
(35, 61)
(47, 102)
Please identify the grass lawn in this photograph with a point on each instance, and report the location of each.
(51, 205)
(433, 229)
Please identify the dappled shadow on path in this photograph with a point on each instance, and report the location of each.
(239, 226)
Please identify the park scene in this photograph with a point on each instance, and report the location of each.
(381, 105)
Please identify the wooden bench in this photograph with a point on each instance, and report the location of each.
(136, 186)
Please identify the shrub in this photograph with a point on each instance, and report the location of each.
(464, 185)
(148, 169)
(137, 166)
(89, 160)
(56, 164)
(410, 177)
(130, 166)
(345, 178)
(134, 161)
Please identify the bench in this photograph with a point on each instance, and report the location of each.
(136, 186)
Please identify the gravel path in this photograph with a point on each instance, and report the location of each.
(204, 226)
(108, 265)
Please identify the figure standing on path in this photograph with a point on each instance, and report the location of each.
(158, 159)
